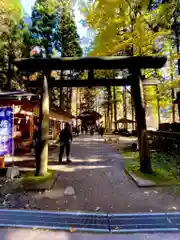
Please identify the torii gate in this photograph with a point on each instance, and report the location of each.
(134, 64)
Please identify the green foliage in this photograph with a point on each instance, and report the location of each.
(67, 40)
(55, 32)
(164, 166)
(44, 23)
(105, 74)
(11, 42)
(89, 97)
(54, 28)
(67, 36)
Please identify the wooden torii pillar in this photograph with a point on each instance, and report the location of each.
(144, 153)
(134, 64)
(42, 162)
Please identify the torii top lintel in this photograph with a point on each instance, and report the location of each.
(44, 64)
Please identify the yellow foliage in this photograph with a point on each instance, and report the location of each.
(10, 11)
(119, 25)
(128, 24)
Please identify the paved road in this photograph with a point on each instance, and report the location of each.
(21, 234)
(100, 184)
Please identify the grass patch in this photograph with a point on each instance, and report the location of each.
(163, 164)
(30, 177)
(33, 183)
(133, 137)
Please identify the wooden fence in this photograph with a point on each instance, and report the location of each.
(164, 141)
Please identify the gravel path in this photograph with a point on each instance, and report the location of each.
(97, 183)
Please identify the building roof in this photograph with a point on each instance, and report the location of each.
(15, 94)
(15, 97)
(125, 120)
(136, 62)
(18, 97)
(61, 111)
(92, 114)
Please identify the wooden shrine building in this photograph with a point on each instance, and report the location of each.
(26, 108)
(89, 118)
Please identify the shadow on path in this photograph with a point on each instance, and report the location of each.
(100, 184)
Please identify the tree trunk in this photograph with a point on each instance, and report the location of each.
(158, 106)
(177, 37)
(109, 108)
(61, 92)
(172, 75)
(69, 98)
(42, 161)
(80, 101)
(173, 93)
(144, 97)
(106, 120)
(77, 102)
(173, 106)
(124, 106)
(50, 88)
(145, 161)
(132, 112)
(61, 97)
(111, 112)
(115, 108)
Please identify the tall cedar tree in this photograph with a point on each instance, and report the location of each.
(67, 36)
(44, 24)
(54, 28)
(68, 44)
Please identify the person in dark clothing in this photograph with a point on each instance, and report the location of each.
(102, 131)
(36, 141)
(86, 129)
(92, 130)
(65, 138)
(77, 130)
(82, 129)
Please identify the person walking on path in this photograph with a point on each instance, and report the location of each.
(101, 131)
(77, 131)
(36, 140)
(92, 131)
(37, 146)
(65, 138)
(86, 129)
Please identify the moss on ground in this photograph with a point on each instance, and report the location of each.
(30, 177)
(163, 164)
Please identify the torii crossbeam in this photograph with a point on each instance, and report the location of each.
(134, 64)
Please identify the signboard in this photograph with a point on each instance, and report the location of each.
(6, 130)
